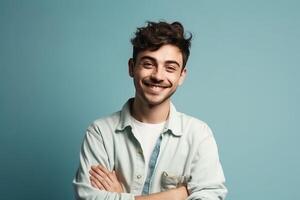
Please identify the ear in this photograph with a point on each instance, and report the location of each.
(130, 67)
(182, 76)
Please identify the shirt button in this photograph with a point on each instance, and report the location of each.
(138, 176)
(165, 173)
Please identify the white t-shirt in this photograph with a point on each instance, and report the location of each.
(147, 134)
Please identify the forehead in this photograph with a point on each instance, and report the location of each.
(164, 54)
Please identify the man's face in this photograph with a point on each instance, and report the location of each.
(157, 74)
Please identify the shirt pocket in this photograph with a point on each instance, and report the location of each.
(171, 181)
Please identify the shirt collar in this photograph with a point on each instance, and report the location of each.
(173, 124)
(124, 117)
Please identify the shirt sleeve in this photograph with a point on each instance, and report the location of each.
(207, 178)
(94, 152)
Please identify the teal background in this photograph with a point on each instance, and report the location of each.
(64, 64)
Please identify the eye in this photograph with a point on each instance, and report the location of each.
(147, 64)
(170, 68)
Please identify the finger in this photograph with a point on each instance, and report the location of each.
(114, 176)
(107, 172)
(96, 183)
(95, 175)
(103, 172)
(105, 182)
(103, 169)
(99, 171)
(106, 185)
(101, 179)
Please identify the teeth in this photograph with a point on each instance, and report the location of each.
(153, 86)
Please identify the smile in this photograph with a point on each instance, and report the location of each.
(155, 89)
(155, 85)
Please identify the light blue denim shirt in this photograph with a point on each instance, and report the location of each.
(185, 154)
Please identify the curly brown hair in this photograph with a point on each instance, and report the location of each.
(156, 34)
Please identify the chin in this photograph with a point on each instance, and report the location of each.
(155, 102)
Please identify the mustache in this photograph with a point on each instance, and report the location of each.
(151, 82)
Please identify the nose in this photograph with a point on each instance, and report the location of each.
(157, 74)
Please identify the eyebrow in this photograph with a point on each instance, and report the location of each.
(149, 58)
(173, 62)
(154, 60)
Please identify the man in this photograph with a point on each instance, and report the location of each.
(148, 150)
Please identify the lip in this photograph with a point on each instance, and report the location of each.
(155, 85)
(155, 89)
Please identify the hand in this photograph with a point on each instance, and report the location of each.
(179, 193)
(182, 192)
(103, 179)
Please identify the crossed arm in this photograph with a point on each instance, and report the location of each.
(104, 179)
(205, 169)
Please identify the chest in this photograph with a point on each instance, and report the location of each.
(172, 165)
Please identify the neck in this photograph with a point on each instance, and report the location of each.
(150, 113)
